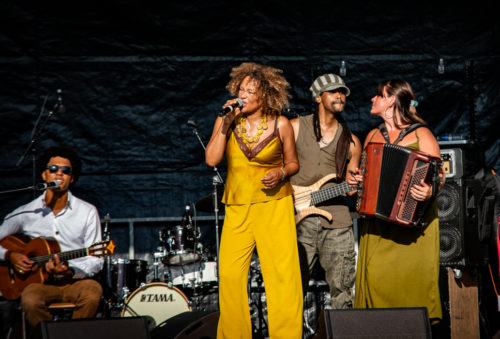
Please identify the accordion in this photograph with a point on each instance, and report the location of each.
(389, 172)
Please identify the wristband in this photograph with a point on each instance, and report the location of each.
(284, 174)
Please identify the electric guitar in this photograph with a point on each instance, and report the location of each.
(39, 250)
(306, 197)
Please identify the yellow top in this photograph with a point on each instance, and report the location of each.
(246, 168)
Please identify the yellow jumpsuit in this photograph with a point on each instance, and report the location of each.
(262, 218)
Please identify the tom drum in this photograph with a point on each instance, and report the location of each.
(127, 275)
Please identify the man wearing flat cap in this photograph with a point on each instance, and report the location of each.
(327, 152)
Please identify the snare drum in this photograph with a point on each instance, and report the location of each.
(127, 275)
(196, 275)
(156, 300)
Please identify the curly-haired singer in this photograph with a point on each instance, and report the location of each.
(260, 151)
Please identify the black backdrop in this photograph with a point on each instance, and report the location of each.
(133, 73)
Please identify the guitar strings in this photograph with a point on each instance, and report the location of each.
(303, 197)
(65, 256)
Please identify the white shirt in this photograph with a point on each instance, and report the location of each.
(76, 226)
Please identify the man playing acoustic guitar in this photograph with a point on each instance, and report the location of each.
(327, 150)
(72, 224)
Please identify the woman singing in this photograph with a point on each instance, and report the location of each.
(260, 152)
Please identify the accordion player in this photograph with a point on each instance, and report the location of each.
(388, 173)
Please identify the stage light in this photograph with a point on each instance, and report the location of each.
(343, 69)
(441, 66)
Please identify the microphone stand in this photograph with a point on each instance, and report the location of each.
(37, 129)
(29, 188)
(195, 131)
(216, 180)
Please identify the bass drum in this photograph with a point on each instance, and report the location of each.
(156, 301)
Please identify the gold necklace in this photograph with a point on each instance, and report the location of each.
(242, 131)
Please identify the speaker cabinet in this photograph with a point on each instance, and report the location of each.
(188, 325)
(375, 323)
(458, 224)
(123, 328)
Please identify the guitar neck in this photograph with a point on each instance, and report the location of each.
(329, 193)
(63, 256)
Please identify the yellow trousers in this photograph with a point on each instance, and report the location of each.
(269, 227)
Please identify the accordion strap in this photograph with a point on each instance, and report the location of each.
(401, 135)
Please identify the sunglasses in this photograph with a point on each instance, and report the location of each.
(55, 168)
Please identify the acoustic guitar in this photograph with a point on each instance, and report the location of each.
(306, 197)
(39, 250)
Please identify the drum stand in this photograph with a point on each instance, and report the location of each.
(106, 235)
(156, 257)
(108, 280)
(262, 325)
(195, 297)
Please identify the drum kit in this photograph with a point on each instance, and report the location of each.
(184, 275)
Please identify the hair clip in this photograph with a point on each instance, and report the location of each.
(414, 103)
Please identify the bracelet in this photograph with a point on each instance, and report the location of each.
(7, 255)
(284, 174)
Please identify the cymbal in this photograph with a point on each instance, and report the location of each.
(206, 204)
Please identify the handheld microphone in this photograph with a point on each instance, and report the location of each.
(60, 107)
(232, 107)
(192, 124)
(45, 185)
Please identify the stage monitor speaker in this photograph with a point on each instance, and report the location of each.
(458, 222)
(376, 323)
(188, 325)
(123, 328)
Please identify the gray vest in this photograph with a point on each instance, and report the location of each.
(316, 162)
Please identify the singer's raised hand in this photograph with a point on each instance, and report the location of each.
(232, 110)
(217, 145)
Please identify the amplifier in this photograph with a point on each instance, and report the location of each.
(453, 163)
(461, 158)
